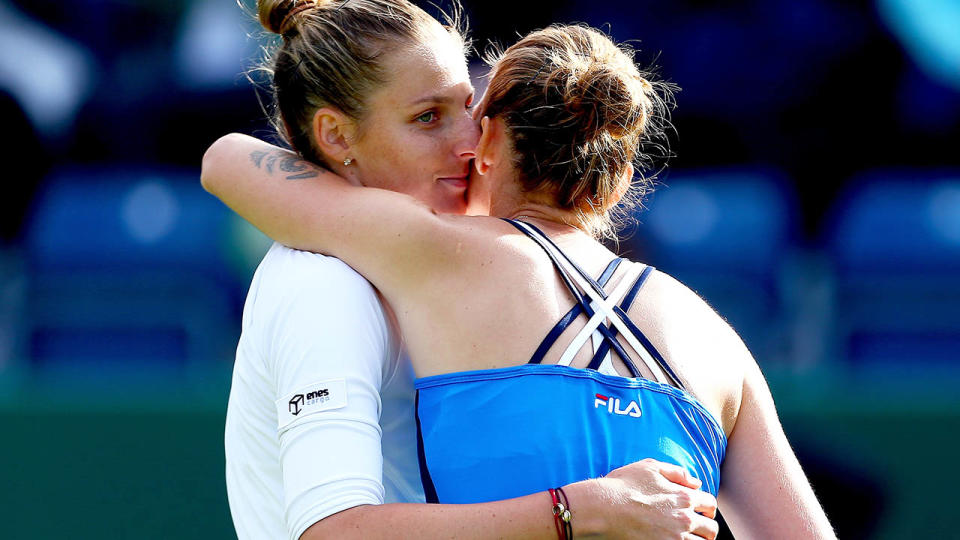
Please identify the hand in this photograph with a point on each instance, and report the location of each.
(650, 500)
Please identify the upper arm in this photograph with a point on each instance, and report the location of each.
(764, 492)
(328, 342)
(383, 234)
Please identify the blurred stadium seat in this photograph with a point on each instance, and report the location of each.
(726, 234)
(128, 272)
(895, 240)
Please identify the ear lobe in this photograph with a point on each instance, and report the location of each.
(480, 167)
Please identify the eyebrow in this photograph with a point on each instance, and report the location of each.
(433, 99)
(437, 98)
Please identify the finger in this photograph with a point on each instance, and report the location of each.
(704, 503)
(703, 528)
(679, 475)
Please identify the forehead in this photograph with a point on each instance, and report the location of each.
(435, 67)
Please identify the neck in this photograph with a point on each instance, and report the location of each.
(543, 215)
(512, 203)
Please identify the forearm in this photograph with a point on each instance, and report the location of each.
(306, 207)
(527, 517)
(268, 186)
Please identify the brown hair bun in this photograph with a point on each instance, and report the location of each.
(580, 113)
(605, 98)
(277, 16)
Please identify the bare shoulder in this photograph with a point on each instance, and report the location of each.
(481, 243)
(699, 345)
(472, 258)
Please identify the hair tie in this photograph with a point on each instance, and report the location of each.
(289, 18)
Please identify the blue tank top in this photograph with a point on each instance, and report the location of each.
(500, 433)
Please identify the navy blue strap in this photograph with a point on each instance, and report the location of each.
(555, 333)
(571, 315)
(596, 286)
(541, 241)
(621, 311)
(602, 351)
(625, 304)
(563, 273)
(628, 298)
(608, 273)
(544, 242)
(611, 338)
(649, 347)
(429, 490)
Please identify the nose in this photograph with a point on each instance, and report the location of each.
(469, 136)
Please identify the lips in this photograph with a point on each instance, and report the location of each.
(457, 182)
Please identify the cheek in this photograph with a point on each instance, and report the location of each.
(423, 158)
(403, 162)
(427, 149)
(386, 155)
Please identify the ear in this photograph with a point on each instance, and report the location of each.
(623, 186)
(333, 132)
(491, 136)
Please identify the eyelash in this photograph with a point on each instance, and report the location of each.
(432, 114)
(469, 106)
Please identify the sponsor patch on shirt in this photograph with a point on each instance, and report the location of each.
(311, 399)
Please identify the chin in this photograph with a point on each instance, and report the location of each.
(454, 207)
(450, 205)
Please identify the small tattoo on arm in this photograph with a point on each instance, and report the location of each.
(257, 157)
(291, 164)
(299, 169)
(271, 159)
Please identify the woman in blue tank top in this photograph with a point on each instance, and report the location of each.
(543, 358)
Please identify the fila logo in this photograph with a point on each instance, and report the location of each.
(612, 405)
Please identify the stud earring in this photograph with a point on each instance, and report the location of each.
(348, 161)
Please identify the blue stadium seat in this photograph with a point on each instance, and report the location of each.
(129, 271)
(895, 240)
(725, 233)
